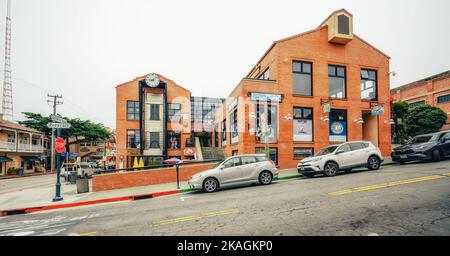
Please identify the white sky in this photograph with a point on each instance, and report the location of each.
(83, 48)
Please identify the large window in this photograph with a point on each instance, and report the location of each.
(132, 110)
(265, 75)
(303, 124)
(11, 138)
(338, 125)
(154, 140)
(368, 84)
(443, 98)
(336, 82)
(266, 125)
(234, 126)
(174, 139)
(417, 103)
(300, 153)
(154, 112)
(224, 132)
(174, 112)
(302, 78)
(133, 138)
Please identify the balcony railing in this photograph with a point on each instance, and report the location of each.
(12, 147)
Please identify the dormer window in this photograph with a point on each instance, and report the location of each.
(265, 75)
(343, 25)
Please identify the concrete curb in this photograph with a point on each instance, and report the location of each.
(92, 202)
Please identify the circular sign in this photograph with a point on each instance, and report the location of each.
(152, 80)
(60, 145)
(337, 128)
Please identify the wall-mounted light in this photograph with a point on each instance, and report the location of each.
(325, 118)
(392, 73)
(359, 120)
(288, 117)
(390, 122)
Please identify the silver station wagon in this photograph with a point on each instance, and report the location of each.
(236, 170)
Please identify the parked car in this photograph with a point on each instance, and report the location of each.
(330, 160)
(236, 170)
(83, 170)
(433, 146)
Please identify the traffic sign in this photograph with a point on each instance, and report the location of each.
(59, 125)
(60, 145)
(57, 119)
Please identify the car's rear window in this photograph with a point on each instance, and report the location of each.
(248, 160)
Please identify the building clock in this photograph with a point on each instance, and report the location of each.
(152, 80)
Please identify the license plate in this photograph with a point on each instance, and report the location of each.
(302, 168)
(403, 156)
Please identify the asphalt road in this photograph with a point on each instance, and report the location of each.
(397, 200)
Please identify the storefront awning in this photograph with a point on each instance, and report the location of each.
(5, 159)
(31, 158)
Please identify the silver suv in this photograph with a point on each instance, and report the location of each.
(236, 170)
(330, 160)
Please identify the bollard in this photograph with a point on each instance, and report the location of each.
(178, 175)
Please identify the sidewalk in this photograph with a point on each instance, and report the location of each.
(41, 195)
(8, 177)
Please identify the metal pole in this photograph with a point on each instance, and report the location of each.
(58, 172)
(178, 175)
(266, 130)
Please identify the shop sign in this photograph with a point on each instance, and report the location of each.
(327, 108)
(189, 152)
(266, 97)
(338, 131)
(233, 104)
(377, 110)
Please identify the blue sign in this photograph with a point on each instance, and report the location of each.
(338, 128)
(71, 154)
(377, 111)
(266, 97)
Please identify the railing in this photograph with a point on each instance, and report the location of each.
(11, 146)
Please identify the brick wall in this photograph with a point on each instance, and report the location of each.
(144, 178)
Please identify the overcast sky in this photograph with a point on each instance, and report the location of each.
(82, 49)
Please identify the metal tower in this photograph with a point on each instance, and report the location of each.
(7, 103)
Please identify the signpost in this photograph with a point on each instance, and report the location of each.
(59, 125)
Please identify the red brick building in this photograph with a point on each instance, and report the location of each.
(157, 119)
(319, 87)
(433, 90)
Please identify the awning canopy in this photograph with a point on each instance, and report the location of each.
(5, 159)
(31, 158)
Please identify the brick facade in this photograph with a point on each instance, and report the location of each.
(312, 46)
(428, 91)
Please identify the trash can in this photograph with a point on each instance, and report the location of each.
(82, 185)
(73, 177)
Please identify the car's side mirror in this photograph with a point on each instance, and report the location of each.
(340, 151)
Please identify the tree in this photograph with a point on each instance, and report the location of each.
(399, 112)
(80, 130)
(424, 119)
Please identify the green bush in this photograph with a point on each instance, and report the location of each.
(13, 171)
(424, 119)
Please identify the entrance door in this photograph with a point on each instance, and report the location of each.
(370, 128)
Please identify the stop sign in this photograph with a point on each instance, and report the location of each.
(60, 145)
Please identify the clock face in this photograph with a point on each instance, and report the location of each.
(152, 80)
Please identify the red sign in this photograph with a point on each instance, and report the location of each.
(60, 145)
(189, 152)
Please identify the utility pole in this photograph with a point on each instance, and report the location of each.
(7, 100)
(54, 100)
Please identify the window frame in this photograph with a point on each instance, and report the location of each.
(446, 98)
(265, 73)
(136, 132)
(136, 110)
(369, 79)
(172, 112)
(150, 146)
(151, 117)
(296, 158)
(301, 72)
(336, 75)
(304, 118)
(417, 103)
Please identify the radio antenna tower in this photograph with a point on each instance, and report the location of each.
(7, 103)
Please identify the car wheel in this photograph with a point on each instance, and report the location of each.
(373, 163)
(265, 178)
(331, 169)
(436, 155)
(210, 185)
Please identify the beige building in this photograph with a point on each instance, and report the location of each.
(21, 147)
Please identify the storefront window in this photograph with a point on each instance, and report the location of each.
(336, 82)
(234, 126)
(133, 138)
(338, 125)
(174, 139)
(300, 153)
(368, 84)
(271, 122)
(303, 124)
(302, 78)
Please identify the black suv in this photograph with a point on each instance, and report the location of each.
(433, 146)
